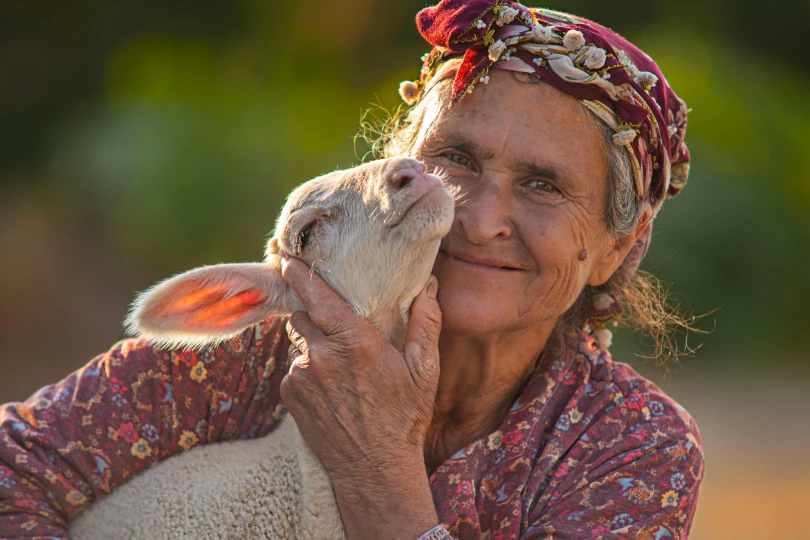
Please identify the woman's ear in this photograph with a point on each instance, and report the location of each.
(615, 255)
(210, 304)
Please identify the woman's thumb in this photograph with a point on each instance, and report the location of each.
(421, 348)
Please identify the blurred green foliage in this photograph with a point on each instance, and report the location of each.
(169, 133)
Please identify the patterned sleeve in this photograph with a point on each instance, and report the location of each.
(648, 492)
(125, 411)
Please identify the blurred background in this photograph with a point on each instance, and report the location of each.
(141, 138)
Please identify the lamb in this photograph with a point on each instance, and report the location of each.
(372, 233)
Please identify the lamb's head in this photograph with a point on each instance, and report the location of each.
(371, 232)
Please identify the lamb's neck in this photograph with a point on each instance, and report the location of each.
(392, 323)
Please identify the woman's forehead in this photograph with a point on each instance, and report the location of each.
(524, 123)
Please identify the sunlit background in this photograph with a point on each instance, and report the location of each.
(140, 138)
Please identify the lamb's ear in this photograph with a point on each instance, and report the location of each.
(210, 304)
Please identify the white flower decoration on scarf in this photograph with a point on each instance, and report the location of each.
(602, 301)
(496, 50)
(506, 15)
(543, 34)
(573, 40)
(408, 91)
(646, 80)
(624, 137)
(603, 338)
(594, 58)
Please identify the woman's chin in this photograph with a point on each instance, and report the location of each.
(466, 310)
(474, 305)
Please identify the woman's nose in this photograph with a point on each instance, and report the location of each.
(484, 214)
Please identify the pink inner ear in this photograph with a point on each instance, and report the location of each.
(208, 307)
(192, 299)
(227, 312)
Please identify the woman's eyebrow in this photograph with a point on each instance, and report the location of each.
(546, 171)
(460, 142)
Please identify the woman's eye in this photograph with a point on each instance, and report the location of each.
(458, 159)
(540, 185)
(303, 238)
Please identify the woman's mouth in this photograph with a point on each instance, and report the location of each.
(469, 261)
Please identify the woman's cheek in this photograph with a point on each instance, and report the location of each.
(552, 290)
(553, 239)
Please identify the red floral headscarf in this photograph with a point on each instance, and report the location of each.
(612, 77)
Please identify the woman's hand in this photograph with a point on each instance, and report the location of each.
(364, 407)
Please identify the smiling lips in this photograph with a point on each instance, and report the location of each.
(474, 262)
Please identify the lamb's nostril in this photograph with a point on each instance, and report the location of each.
(403, 178)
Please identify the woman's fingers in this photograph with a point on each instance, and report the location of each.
(421, 350)
(302, 331)
(325, 307)
(351, 392)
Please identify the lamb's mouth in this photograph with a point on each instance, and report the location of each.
(422, 200)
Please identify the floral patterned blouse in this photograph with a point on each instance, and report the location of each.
(589, 450)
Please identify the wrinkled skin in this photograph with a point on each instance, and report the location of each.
(533, 177)
(533, 186)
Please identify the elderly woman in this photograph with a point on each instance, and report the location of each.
(504, 416)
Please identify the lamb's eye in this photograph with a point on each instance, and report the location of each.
(303, 237)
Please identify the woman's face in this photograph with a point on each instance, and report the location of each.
(533, 176)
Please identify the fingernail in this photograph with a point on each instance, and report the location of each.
(433, 286)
